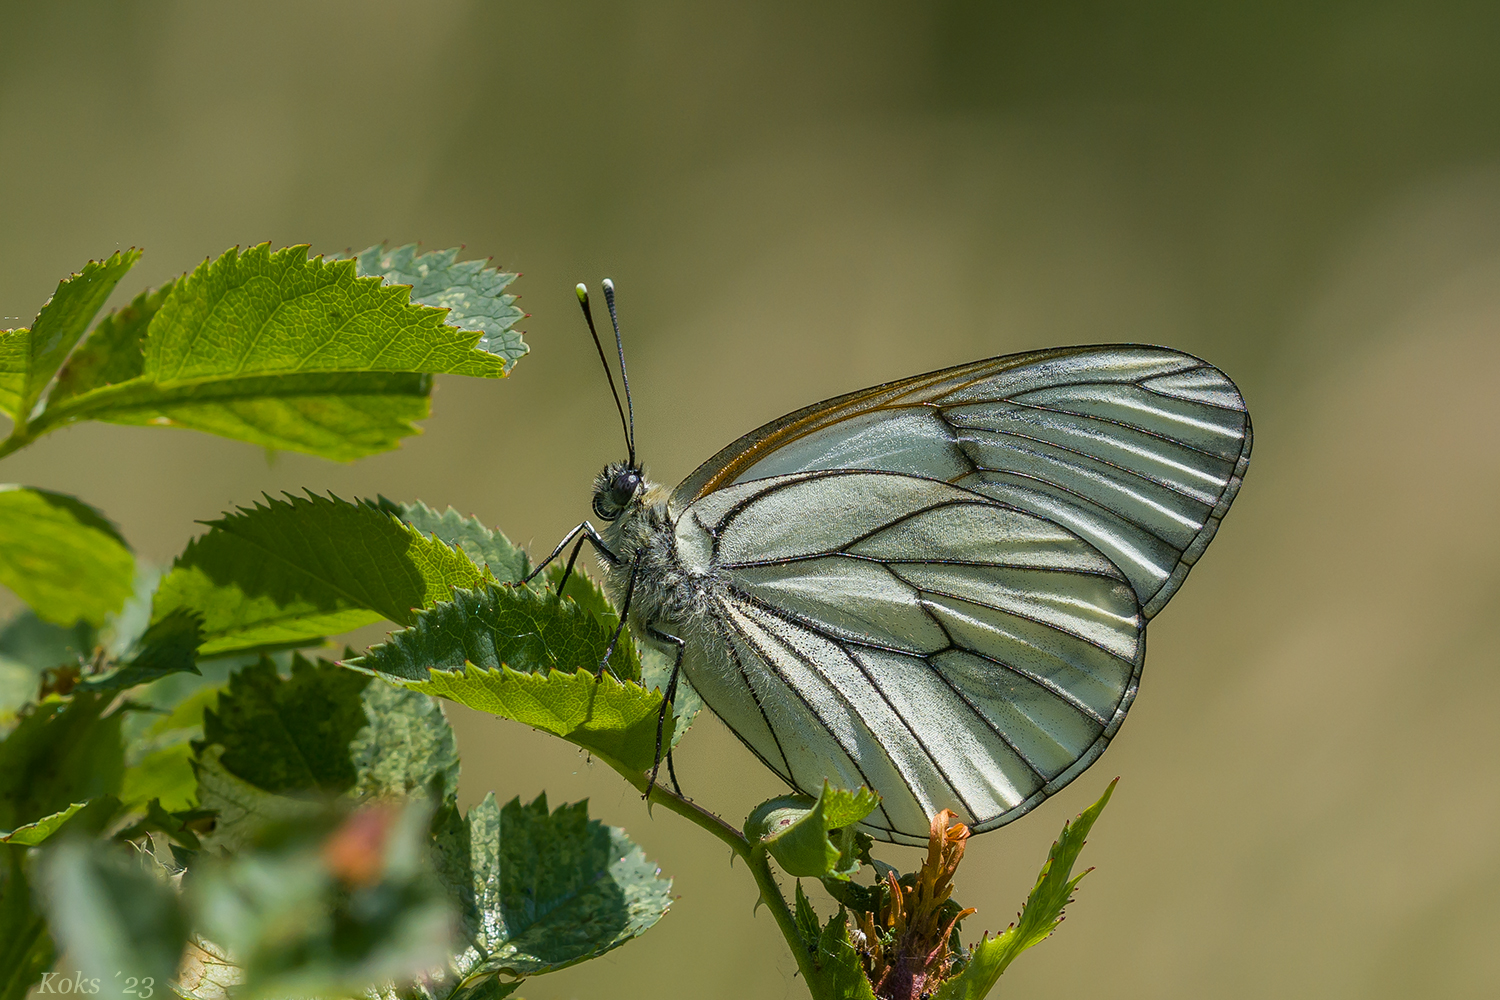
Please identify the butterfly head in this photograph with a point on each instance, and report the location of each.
(615, 488)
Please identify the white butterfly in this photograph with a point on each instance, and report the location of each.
(936, 587)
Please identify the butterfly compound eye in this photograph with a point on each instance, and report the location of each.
(611, 500)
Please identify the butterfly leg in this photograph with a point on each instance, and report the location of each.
(590, 535)
(609, 650)
(661, 716)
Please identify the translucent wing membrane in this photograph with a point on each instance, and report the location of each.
(913, 636)
(938, 587)
(1137, 450)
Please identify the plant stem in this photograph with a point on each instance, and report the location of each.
(755, 859)
(15, 442)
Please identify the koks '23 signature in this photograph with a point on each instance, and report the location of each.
(55, 982)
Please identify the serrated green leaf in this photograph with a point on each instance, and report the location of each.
(487, 547)
(80, 817)
(111, 912)
(473, 294)
(1053, 891)
(538, 891)
(290, 571)
(287, 352)
(242, 809)
(405, 747)
(464, 650)
(323, 730)
(655, 665)
(340, 416)
(15, 364)
(61, 556)
(169, 646)
(812, 838)
(66, 316)
(614, 720)
(59, 753)
(26, 947)
(283, 312)
(293, 734)
(837, 969)
(497, 624)
(114, 352)
(327, 905)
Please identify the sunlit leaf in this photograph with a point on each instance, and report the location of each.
(65, 318)
(812, 838)
(1044, 907)
(61, 556)
(487, 547)
(473, 294)
(286, 351)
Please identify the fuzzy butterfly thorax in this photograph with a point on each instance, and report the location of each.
(666, 592)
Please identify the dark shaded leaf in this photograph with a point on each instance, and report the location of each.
(169, 646)
(323, 731)
(537, 891)
(293, 734)
(293, 570)
(59, 754)
(26, 947)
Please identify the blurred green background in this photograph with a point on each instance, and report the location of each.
(797, 200)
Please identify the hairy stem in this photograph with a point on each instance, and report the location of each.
(755, 858)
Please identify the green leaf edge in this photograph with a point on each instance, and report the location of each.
(1043, 911)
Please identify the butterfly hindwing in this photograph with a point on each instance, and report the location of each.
(912, 635)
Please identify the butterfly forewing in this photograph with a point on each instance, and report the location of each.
(1137, 450)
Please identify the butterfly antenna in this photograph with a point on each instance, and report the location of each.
(609, 300)
(588, 315)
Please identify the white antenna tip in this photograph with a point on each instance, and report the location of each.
(608, 284)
